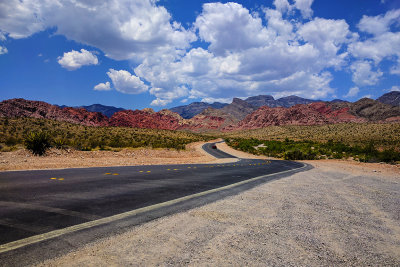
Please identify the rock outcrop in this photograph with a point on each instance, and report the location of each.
(392, 98)
(147, 119)
(195, 108)
(312, 114)
(38, 109)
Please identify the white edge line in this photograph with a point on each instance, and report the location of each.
(56, 233)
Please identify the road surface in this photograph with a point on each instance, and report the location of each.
(45, 213)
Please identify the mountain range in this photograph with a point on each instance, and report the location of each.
(253, 112)
(254, 102)
(105, 110)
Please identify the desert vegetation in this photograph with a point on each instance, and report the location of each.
(39, 134)
(365, 142)
(311, 150)
(382, 135)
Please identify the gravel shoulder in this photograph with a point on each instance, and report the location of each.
(339, 214)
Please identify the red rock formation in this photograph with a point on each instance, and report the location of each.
(202, 122)
(336, 115)
(144, 119)
(311, 114)
(147, 118)
(38, 109)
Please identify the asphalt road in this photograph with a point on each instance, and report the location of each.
(208, 147)
(35, 203)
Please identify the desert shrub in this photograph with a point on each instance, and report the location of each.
(311, 150)
(85, 137)
(11, 141)
(337, 155)
(37, 142)
(389, 155)
(384, 135)
(60, 144)
(294, 155)
(311, 155)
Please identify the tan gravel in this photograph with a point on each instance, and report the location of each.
(337, 214)
(55, 158)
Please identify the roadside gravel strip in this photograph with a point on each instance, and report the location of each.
(343, 216)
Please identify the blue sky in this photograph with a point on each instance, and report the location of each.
(160, 54)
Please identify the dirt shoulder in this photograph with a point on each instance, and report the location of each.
(335, 214)
(55, 158)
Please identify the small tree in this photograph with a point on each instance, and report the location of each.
(37, 142)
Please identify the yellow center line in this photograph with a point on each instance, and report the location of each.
(115, 173)
(53, 178)
(148, 171)
(61, 179)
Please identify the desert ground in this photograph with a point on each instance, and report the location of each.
(22, 159)
(340, 213)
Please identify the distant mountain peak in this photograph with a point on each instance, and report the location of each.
(192, 109)
(391, 98)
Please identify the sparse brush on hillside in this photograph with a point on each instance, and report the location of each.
(13, 132)
(310, 150)
(384, 136)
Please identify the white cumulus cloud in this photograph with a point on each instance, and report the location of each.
(305, 7)
(264, 51)
(282, 5)
(230, 28)
(395, 88)
(384, 43)
(2, 36)
(127, 83)
(254, 59)
(130, 29)
(352, 92)
(328, 36)
(3, 50)
(103, 87)
(363, 73)
(74, 60)
(380, 24)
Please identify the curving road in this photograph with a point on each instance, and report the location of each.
(219, 154)
(48, 212)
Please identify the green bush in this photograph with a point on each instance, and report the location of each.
(294, 155)
(389, 155)
(11, 141)
(37, 142)
(60, 144)
(311, 150)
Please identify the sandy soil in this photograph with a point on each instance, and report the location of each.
(24, 160)
(340, 214)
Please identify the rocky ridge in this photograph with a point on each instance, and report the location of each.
(237, 115)
(311, 114)
(39, 109)
(253, 102)
(195, 108)
(392, 98)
